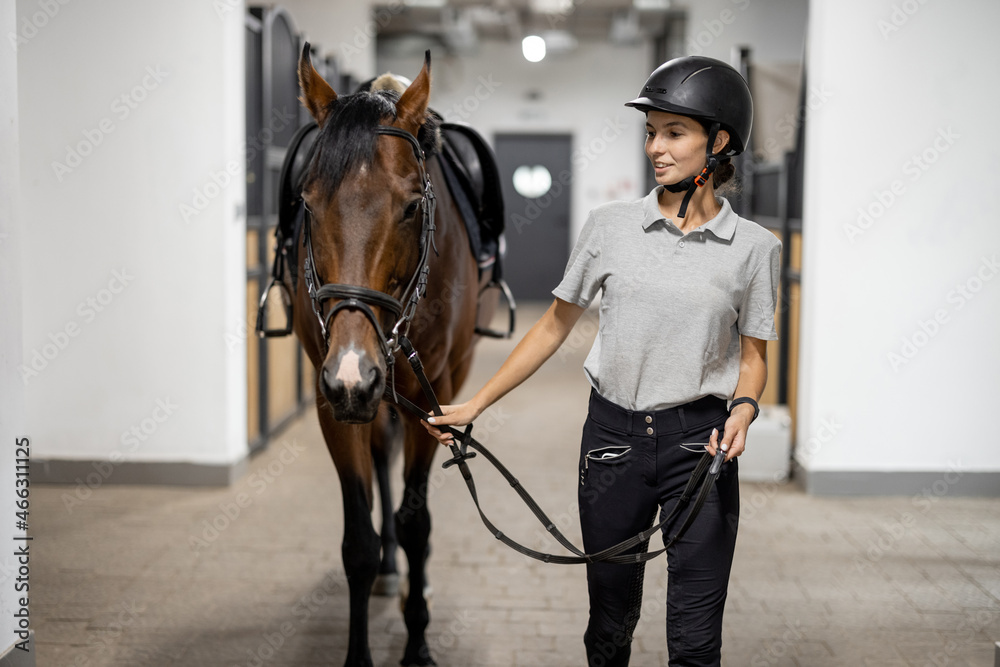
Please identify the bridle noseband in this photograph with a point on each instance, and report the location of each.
(358, 297)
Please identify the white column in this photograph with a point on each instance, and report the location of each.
(901, 281)
(133, 173)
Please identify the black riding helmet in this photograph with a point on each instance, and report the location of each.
(709, 91)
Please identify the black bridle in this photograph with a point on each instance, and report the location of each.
(359, 297)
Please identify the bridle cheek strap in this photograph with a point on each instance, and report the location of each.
(359, 297)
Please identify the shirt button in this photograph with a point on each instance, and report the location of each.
(649, 420)
(649, 431)
(681, 244)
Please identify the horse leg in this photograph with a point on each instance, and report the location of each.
(350, 448)
(413, 526)
(387, 427)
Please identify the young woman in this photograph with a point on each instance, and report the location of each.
(688, 294)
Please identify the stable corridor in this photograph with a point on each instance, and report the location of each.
(251, 575)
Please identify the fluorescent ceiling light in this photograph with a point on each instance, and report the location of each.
(651, 5)
(425, 3)
(533, 48)
(551, 6)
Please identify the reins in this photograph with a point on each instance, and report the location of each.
(358, 297)
(461, 454)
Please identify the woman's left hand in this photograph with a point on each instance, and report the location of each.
(735, 436)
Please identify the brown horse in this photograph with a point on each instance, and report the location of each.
(365, 191)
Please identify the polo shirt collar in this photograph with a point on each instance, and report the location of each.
(722, 226)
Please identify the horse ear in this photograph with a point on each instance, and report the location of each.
(317, 95)
(411, 109)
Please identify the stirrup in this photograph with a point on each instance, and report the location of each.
(286, 302)
(511, 308)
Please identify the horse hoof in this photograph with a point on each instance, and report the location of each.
(386, 585)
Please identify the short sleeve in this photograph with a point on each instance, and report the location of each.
(583, 276)
(760, 300)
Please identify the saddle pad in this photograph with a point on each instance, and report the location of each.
(474, 180)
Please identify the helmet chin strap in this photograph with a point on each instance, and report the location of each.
(692, 183)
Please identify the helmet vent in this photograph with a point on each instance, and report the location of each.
(703, 69)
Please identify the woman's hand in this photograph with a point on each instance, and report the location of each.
(735, 437)
(454, 415)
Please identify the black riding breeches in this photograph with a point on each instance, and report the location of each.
(631, 465)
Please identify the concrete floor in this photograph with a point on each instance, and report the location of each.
(139, 576)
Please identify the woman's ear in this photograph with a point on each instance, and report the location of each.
(721, 141)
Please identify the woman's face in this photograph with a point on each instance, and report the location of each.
(675, 145)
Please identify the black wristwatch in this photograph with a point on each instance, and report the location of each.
(745, 399)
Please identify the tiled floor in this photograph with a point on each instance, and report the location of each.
(251, 575)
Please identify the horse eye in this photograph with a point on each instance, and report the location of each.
(411, 210)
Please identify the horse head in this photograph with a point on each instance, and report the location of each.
(365, 191)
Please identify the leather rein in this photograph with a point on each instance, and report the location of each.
(358, 297)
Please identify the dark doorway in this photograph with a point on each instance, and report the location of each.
(535, 171)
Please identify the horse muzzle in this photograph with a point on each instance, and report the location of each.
(353, 384)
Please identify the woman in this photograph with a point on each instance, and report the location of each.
(688, 299)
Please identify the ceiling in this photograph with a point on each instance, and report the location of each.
(458, 25)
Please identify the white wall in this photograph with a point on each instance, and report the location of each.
(346, 29)
(774, 29)
(581, 94)
(899, 368)
(11, 390)
(134, 249)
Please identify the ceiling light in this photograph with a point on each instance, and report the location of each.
(651, 5)
(533, 48)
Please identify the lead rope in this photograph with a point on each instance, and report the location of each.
(614, 554)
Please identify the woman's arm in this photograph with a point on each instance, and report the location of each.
(540, 343)
(753, 377)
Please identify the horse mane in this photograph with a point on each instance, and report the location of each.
(347, 140)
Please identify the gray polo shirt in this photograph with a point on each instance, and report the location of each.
(673, 305)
